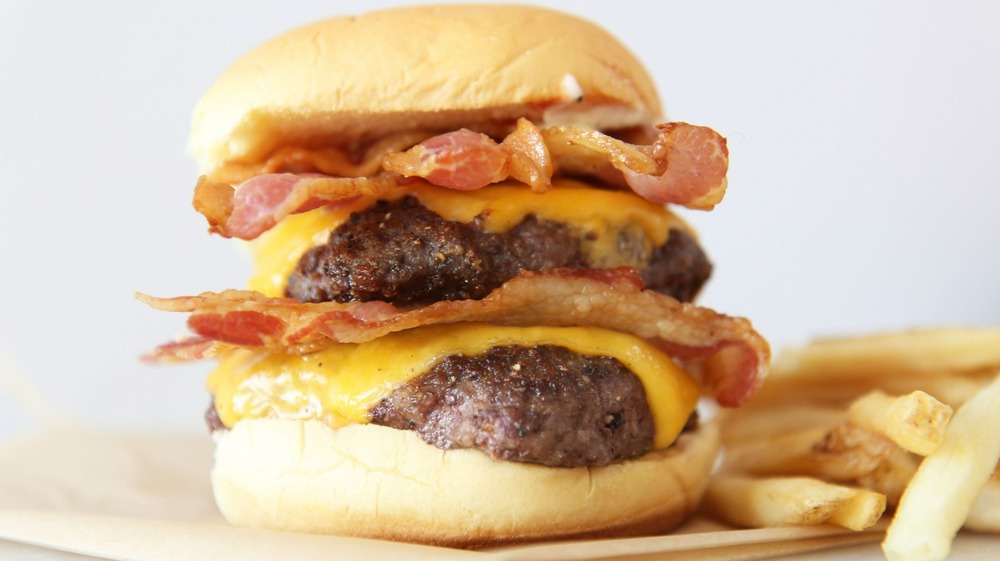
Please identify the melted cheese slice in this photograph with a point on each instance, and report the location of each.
(341, 384)
(600, 216)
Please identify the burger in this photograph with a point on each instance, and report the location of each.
(470, 316)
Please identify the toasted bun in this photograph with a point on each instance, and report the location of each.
(371, 481)
(431, 67)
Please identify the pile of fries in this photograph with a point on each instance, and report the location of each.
(902, 426)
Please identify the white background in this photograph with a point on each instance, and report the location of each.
(864, 189)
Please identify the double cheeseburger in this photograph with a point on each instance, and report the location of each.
(469, 317)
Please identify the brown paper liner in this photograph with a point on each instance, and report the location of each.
(146, 497)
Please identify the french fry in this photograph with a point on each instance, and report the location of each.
(774, 454)
(951, 388)
(914, 421)
(985, 513)
(861, 512)
(774, 501)
(791, 501)
(892, 476)
(950, 364)
(844, 453)
(837, 433)
(742, 426)
(942, 492)
(928, 352)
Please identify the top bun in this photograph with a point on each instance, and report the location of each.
(354, 79)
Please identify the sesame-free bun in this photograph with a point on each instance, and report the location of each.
(354, 79)
(378, 482)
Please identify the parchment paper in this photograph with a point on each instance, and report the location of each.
(146, 496)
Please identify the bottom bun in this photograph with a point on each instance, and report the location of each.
(377, 482)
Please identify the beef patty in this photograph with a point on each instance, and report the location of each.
(403, 253)
(543, 404)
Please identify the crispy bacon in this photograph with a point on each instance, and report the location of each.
(529, 160)
(191, 348)
(685, 165)
(730, 358)
(294, 179)
(463, 160)
(694, 162)
(240, 327)
(468, 160)
(331, 161)
(257, 205)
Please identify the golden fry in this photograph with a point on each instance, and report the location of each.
(929, 352)
(861, 512)
(892, 476)
(774, 454)
(774, 501)
(857, 415)
(915, 421)
(943, 490)
(985, 513)
(951, 388)
(844, 453)
(742, 426)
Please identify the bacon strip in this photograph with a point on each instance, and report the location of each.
(694, 162)
(685, 165)
(725, 352)
(327, 160)
(467, 160)
(257, 205)
(529, 160)
(463, 160)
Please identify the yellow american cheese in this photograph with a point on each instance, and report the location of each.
(341, 384)
(600, 216)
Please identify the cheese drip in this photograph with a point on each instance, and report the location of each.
(599, 215)
(341, 384)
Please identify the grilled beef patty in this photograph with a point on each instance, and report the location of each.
(543, 404)
(403, 253)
